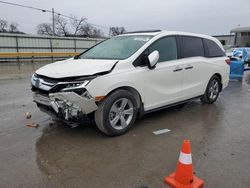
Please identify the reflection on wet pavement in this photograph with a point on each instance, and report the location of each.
(83, 156)
(54, 155)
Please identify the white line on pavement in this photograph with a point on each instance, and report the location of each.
(162, 131)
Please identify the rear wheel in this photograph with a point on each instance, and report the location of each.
(117, 113)
(212, 91)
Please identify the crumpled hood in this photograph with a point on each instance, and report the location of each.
(75, 67)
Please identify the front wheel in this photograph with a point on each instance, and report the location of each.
(116, 113)
(212, 91)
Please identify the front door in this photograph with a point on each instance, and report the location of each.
(163, 84)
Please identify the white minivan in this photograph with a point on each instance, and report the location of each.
(132, 74)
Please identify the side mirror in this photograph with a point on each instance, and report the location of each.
(153, 59)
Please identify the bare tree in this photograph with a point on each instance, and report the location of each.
(89, 31)
(76, 27)
(76, 24)
(85, 30)
(96, 33)
(116, 31)
(3, 25)
(45, 29)
(13, 28)
(61, 26)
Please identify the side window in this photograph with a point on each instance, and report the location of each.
(213, 49)
(191, 47)
(166, 47)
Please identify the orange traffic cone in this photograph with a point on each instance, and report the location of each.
(183, 177)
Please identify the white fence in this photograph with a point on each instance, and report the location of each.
(30, 43)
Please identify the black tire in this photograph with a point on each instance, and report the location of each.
(209, 98)
(104, 112)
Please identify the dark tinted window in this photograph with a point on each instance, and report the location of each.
(166, 47)
(213, 49)
(191, 47)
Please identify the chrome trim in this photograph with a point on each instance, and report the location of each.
(41, 84)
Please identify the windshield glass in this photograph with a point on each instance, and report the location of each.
(120, 47)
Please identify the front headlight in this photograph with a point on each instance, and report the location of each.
(77, 87)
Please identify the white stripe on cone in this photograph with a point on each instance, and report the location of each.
(185, 158)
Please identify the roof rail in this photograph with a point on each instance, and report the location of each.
(145, 31)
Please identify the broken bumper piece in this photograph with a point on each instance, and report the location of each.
(68, 105)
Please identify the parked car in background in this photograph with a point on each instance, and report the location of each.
(132, 74)
(242, 53)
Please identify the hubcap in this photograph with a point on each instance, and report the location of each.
(121, 113)
(214, 89)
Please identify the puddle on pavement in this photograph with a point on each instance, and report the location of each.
(83, 155)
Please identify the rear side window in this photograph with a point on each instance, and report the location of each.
(213, 50)
(166, 47)
(191, 47)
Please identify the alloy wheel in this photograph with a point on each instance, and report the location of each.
(214, 89)
(121, 113)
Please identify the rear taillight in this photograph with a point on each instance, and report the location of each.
(228, 61)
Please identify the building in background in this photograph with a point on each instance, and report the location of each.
(242, 36)
(239, 37)
(225, 39)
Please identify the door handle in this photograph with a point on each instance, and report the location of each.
(177, 69)
(189, 67)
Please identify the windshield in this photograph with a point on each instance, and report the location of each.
(120, 47)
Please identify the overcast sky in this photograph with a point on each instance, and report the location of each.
(200, 16)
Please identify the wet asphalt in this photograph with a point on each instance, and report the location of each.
(54, 155)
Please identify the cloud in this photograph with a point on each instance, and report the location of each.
(209, 17)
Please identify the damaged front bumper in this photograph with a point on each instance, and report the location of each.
(66, 105)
